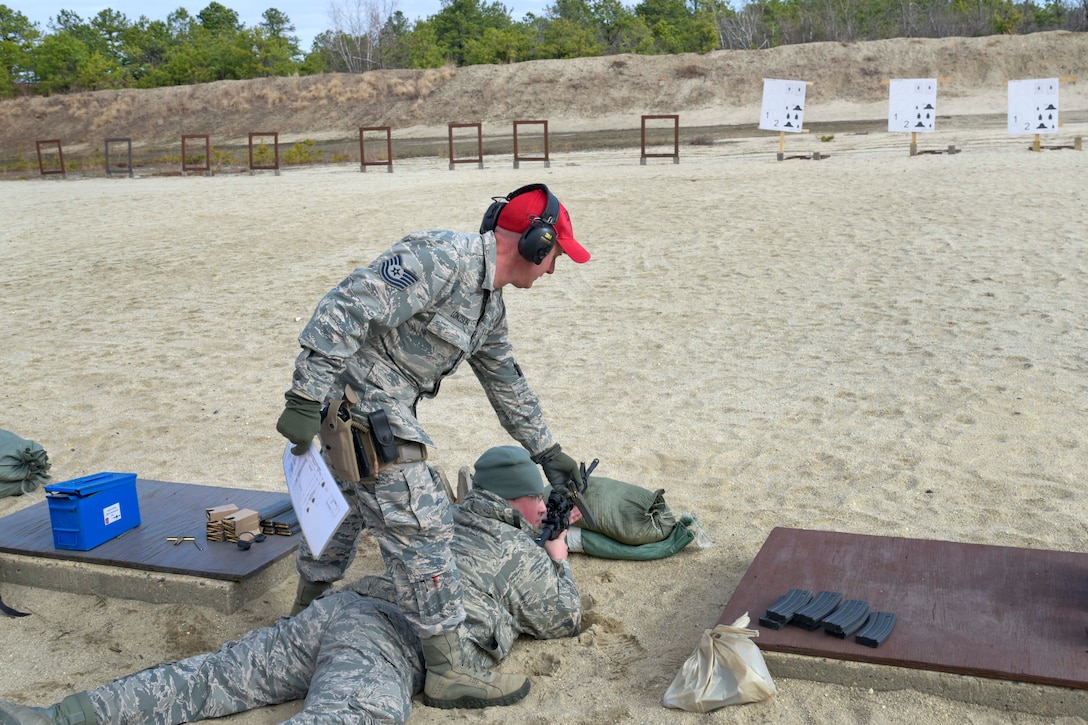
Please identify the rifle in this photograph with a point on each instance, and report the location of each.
(562, 502)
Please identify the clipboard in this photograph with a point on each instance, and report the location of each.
(318, 502)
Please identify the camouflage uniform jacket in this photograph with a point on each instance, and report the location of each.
(394, 329)
(511, 585)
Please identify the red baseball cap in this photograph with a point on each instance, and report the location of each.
(523, 209)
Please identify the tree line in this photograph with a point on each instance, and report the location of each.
(110, 50)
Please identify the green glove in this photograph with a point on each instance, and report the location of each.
(299, 421)
(558, 467)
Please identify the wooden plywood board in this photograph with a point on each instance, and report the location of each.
(990, 611)
(166, 510)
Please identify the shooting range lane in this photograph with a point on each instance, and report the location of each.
(878, 344)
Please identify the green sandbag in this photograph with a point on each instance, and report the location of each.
(594, 544)
(627, 513)
(23, 465)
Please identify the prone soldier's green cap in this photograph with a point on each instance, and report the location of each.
(508, 471)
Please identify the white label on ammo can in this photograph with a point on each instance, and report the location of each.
(112, 514)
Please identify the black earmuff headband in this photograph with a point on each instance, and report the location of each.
(539, 237)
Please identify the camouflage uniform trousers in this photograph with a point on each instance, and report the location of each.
(406, 509)
(355, 660)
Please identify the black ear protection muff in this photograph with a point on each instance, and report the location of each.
(537, 240)
(244, 544)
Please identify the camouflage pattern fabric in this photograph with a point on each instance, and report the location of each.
(511, 585)
(351, 654)
(407, 511)
(392, 331)
(318, 655)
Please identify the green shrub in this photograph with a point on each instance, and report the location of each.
(221, 158)
(263, 155)
(303, 152)
(21, 163)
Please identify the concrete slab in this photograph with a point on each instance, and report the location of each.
(1026, 697)
(80, 577)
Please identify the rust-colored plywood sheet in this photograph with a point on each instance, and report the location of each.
(166, 509)
(990, 611)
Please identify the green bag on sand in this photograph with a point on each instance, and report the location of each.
(599, 545)
(23, 465)
(627, 513)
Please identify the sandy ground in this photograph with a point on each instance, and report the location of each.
(871, 343)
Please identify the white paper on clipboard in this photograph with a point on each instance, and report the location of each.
(318, 503)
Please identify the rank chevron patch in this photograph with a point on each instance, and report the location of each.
(395, 274)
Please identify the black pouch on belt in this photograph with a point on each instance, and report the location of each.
(382, 433)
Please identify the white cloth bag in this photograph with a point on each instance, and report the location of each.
(725, 669)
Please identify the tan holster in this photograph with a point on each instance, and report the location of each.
(347, 443)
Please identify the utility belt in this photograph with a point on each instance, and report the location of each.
(356, 451)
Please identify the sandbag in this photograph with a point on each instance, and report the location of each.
(23, 465)
(628, 513)
(596, 544)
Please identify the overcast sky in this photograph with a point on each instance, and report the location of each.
(310, 17)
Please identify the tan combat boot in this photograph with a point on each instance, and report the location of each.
(451, 683)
